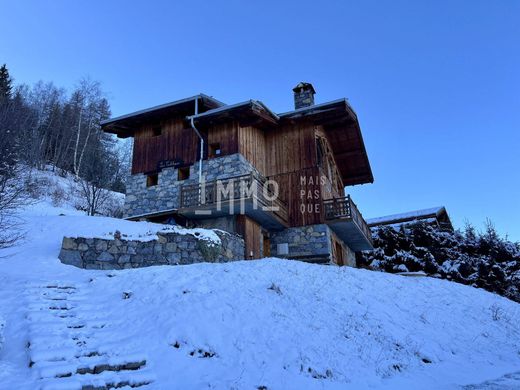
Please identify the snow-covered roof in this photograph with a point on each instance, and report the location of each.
(408, 216)
(162, 106)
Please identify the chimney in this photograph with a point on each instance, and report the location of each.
(303, 95)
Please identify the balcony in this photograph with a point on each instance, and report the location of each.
(244, 194)
(344, 218)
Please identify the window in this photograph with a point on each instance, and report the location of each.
(183, 173)
(319, 151)
(214, 150)
(152, 180)
(156, 131)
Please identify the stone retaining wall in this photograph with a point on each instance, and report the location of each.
(168, 249)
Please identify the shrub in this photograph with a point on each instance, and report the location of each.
(479, 259)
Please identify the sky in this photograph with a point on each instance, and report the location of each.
(435, 84)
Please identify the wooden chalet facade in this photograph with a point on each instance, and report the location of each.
(311, 153)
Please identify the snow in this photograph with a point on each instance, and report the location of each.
(54, 193)
(275, 323)
(2, 325)
(404, 216)
(147, 231)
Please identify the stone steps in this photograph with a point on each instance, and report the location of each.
(67, 343)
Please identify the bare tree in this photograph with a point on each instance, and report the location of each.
(12, 197)
(94, 196)
(93, 109)
(94, 182)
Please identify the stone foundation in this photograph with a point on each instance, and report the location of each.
(310, 243)
(168, 249)
(305, 242)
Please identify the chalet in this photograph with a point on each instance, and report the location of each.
(435, 216)
(278, 180)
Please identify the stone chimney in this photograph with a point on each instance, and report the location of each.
(303, 95)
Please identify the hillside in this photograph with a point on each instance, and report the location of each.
(269, 323)
(53, 189)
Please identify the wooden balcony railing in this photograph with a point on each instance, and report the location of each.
(244, 187)
(345, 208)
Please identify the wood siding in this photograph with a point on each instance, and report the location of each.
(252, 145)
(252, 233)
(290, 149)
(301, 191)
(179, 142)
(225, 134)
(175, 142)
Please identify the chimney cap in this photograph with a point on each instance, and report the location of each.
(302, 86)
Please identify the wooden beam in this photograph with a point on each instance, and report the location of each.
(348, 153)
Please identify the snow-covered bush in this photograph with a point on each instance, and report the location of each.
(482, 260)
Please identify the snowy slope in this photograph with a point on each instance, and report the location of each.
(273, 323)
(52, 192)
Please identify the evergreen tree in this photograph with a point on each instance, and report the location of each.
(5, 84)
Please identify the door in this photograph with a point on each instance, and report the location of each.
(339, 253)
(267, 245)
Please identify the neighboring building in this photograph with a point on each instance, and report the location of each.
(310, 154)
(436, 216)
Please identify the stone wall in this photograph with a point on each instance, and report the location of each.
(310, 243)
(165, 196)
(169, 249)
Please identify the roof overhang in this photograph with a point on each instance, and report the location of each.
(124, 126)
(342, 128)
(248, 113)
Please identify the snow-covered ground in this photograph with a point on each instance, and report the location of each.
(53, 193)
(245, 325)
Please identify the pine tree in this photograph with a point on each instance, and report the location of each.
(5, 84)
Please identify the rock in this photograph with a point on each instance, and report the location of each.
(113, 249)
(171, 247)
(69, 243)
(173, 258)
(123, 259)
(105, 256)
(71, 257)
(83, 247)
(101, 245)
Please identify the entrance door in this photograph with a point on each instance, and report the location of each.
(339, 253)
(267, 245)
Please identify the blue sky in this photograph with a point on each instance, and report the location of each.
(436, 84)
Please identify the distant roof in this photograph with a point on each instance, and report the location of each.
(428, 215)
